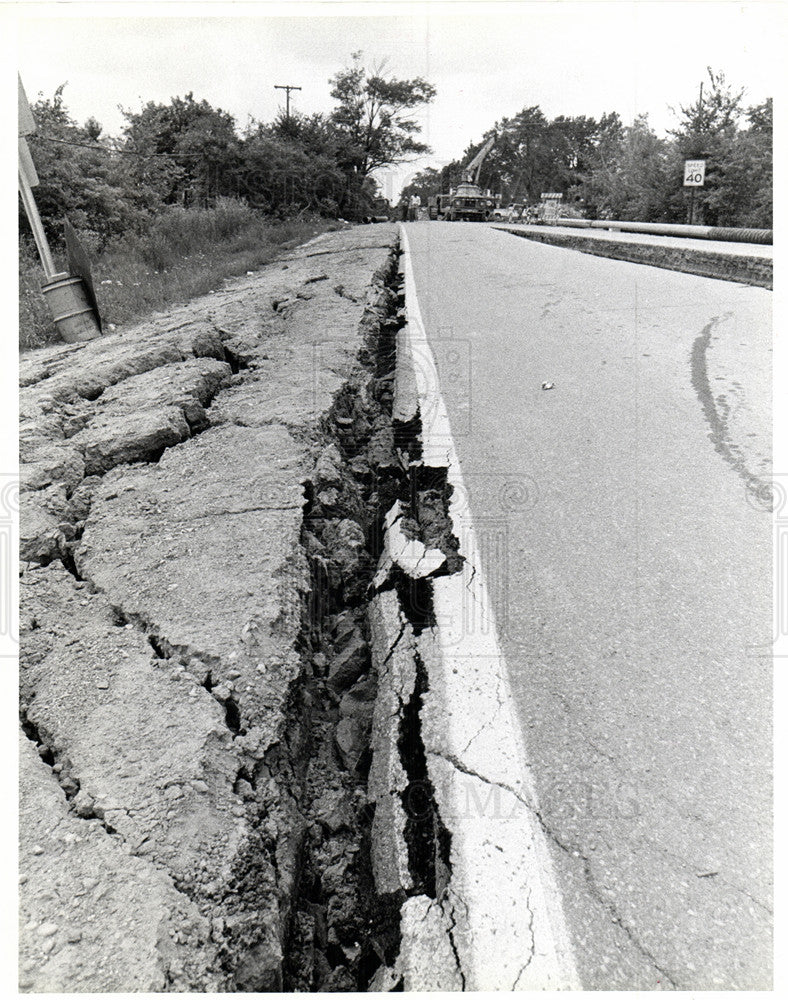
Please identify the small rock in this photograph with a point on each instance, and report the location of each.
(359, 702)
(47, 930)
(37, 849)
(245, 790)
(349, 664)
(199, 786)
(352, 738)
(351, 951)
(380, 451)
(328, 467)
(328, 497)
(83, 804)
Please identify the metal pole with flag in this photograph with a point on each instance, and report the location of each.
(70, 297)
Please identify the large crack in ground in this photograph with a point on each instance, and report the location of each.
(337, 930)
(344, 931)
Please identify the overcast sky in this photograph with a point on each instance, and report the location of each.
(486, 60)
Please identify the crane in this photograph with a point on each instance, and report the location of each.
(472, 169)
(467, 200)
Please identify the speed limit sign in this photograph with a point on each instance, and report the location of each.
(694, 173)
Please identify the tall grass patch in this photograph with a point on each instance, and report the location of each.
(183, 254)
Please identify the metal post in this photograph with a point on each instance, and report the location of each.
(34, 219)
(699, 124)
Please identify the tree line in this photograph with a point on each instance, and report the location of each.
(607, 170)
(189, 154)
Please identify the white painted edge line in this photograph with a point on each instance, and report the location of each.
(511, 932)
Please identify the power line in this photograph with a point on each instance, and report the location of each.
(120, 152)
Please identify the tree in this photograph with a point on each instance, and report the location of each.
(742, 190)
(285, 173)
(188, 149)
(80, 177)
(705, 132)
(373, 117)
(630, 177)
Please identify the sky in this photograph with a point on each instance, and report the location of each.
(487, 60)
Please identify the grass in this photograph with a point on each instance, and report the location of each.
(186, 253)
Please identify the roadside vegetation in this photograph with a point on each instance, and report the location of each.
(185, 253)
(607, 170)
(183, 198)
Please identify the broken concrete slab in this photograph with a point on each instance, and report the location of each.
(499, 868)
(392, 644)
(147, 748)
(203, 548)
(94, 918)
(85, 371)
(427, 962)
(406, 396)
(195, 557)
(401, 549)
(137, 420)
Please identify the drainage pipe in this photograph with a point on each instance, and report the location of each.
(762, 236)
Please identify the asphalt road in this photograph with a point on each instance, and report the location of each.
(629, 562)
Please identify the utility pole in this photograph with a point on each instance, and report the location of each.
(288, 87)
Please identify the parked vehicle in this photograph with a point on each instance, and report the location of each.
(467, 200)
(511, 214)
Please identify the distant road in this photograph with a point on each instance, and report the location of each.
(629, 561)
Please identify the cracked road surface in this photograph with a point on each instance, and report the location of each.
(628, 556)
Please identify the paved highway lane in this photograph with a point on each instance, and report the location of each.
(629, 563)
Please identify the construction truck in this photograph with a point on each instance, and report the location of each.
(467, 200)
